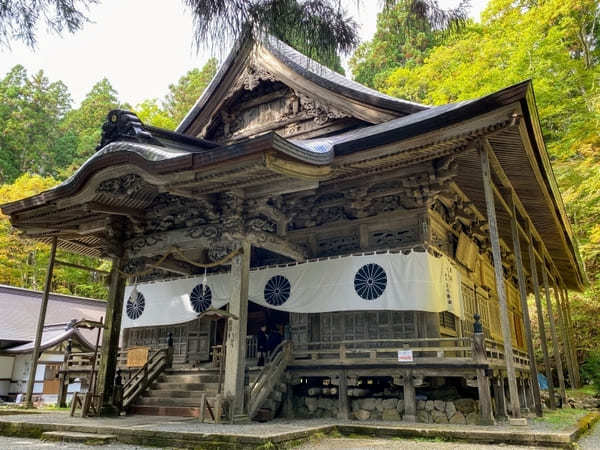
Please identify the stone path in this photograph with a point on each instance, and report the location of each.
(591, 441)
(402, 444)
(7, 443)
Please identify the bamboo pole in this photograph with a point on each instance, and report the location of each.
(557, 359)
(500, 288)
(537, 401)
(40, 325)
(540, 314)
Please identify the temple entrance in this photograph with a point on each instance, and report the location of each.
(201, 335)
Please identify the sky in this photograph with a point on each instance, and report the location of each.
(141, 46)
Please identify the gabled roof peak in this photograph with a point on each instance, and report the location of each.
(294, 68)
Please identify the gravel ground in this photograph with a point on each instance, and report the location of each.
(397, 444)
(7, 443)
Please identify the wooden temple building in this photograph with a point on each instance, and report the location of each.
(393, 244)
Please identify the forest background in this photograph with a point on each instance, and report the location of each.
(43, 139)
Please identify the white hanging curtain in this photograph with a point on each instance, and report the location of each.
(390, 281)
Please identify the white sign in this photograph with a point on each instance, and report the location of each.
(405, 356)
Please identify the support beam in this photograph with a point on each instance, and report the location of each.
(500, 288)
(343, 406)
(40, 326)
(557, 359)
(110, 337)
(499, 398)
(486, 416)
(540, 315)
(410, 399)
(523, 294)
(563, 334)
(235, 359)
(571, 333)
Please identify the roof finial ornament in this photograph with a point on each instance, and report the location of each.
(124, 125)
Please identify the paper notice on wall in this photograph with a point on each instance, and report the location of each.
(405, 356)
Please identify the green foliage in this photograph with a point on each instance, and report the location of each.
(184, 94)
(43, 140)
(23, 262)
(552, 42)
(31, 110)
(398, 42)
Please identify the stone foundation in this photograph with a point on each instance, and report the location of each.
(460, 411)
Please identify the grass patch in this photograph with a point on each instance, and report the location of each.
(582, 392)
(561, 418)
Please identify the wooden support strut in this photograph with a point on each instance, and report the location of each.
(540, 315)
(500, 288)
(563, 332)
(40, 326)
(523, 294)
(571, 333)
(557, 359)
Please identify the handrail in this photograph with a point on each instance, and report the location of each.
(149, 372)
(269, 376)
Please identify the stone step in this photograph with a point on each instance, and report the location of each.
(163, 393)
(73, 436)
(162, 401)
(208, 387)
(178, 411)
(188, 378)
(191, 371)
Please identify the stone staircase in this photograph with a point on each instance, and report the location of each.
(179, 392)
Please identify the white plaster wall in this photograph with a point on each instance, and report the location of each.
(21, 373)
(7, 364)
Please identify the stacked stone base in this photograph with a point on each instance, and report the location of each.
(460, 411)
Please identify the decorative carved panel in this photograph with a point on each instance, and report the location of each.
(338, 245)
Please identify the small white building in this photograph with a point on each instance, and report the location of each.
(19, 311)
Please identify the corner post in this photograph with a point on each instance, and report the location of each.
(537, 400)
(557, 358)
(571, 335)
(500, 288)
(235, 355)
(110, 338)
(540, 315)
(40, 325)
(563, 334)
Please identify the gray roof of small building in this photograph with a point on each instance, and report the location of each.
(55, 334)
(20, 308)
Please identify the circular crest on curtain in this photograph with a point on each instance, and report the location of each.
(370, 281)
(135, 304)
(277, 290)
(201, 298)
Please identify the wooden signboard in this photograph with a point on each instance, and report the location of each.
(137, 356)
(488, 277)
(467, 252)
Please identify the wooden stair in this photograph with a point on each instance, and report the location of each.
(178, 392)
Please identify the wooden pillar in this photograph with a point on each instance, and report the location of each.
(485, 398)
(571, 336)
(563, 334)
(110, 338)
(410, 400)
(523, 294)
(500, 288)
(557, 358)
(523, 392)
(529, 393)
(344, 408)
(499, 397)
(540, 314)
(235, 358)
(40, 325)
